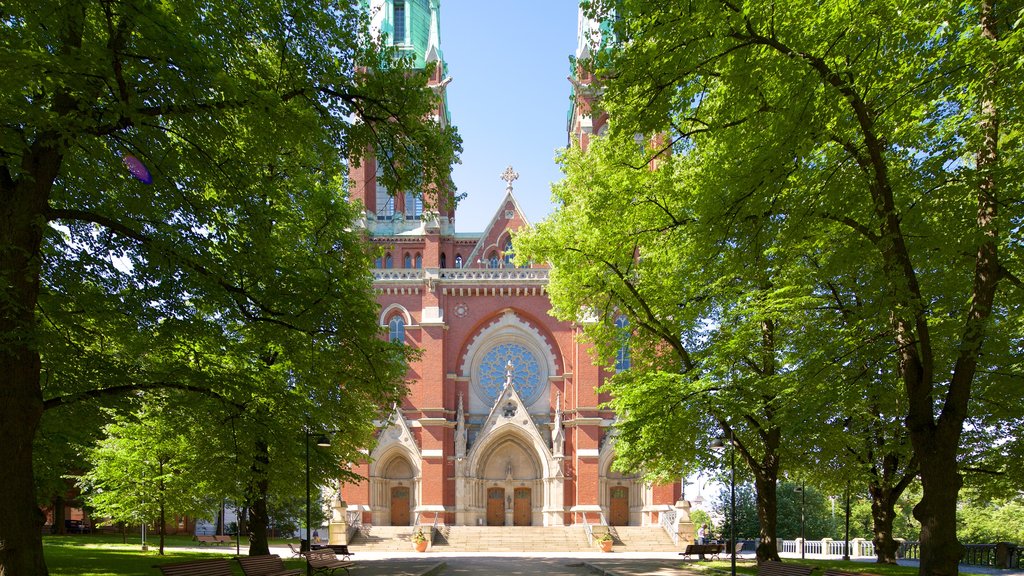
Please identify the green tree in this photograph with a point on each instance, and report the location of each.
(895, 125)
(173, 207)
(144, 469)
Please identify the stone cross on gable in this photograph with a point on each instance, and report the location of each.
(509, 175)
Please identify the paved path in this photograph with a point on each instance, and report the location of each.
(554, 563)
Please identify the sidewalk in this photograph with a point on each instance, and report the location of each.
(614, 564)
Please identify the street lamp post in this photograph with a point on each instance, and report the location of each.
(846, 546)
(719, 444)
(803, 544)
(321, 441)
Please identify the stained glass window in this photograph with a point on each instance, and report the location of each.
(526, 372)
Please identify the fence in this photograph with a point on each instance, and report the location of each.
(1001, 555)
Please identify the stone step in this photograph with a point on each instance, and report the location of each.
(513, 539)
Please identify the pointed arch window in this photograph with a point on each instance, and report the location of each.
(407, 262)
(396, 329)
(492, 260)
(419, 260)
(509, 253)
(378, 262)
(444, 260)
(388, 262)
(622, 360)
(458, 260)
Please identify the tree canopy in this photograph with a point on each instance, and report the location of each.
(174, 216)
(836, 188)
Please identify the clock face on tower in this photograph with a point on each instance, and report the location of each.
(526, 372)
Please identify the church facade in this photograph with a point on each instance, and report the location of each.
(503, 424)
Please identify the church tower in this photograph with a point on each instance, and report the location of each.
(414, 28)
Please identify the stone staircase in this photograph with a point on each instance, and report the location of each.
(642, 539)
(382, 539)
(511, 539)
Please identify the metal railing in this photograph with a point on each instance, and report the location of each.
(667, 519)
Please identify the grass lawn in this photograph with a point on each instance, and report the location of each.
(108, 555)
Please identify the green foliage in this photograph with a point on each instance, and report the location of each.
(985, 521)
(237, 283)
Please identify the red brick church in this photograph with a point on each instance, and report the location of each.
(502, 424)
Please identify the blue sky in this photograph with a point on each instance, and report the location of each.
(509, 98)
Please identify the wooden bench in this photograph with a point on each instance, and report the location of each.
(207, 540)
(265, 565)
(225, 539)
(702, 550)
(211, 567)
(774, 568)
(339, 549)
(326, 561)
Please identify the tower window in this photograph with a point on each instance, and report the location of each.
(385, 203)
(419, 261)
(492, 261)
(388, 262)
(458, 260)
(413, 206)
(407, 262)
(444, 260)
(622, 361)
(399, 22)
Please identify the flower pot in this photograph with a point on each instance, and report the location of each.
(606, 545)
(421, 546)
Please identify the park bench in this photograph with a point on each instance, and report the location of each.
(224, 539)
(210, 567)
(326, 561)
(265, 565)
(702, 550)
(339, 549)
(774, 568)
(207, 540)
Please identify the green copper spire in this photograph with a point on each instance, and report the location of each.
(412, 25)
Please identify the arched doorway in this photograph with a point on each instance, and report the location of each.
(393, 491)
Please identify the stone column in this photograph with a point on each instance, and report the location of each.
(684, 526)
(338, 529)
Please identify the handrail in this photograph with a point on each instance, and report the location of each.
(588, 529)
(667, 519)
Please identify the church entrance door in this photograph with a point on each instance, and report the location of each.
(619, 506)
(522, 514)
(400, 506)
(495, 506)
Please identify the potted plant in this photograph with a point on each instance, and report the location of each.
(605, 542)
(419, 539)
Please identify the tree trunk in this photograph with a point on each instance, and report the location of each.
(883, 513)
(258, 517)
(767, 515)
(940, 549)
(21, 400)
(59, 516)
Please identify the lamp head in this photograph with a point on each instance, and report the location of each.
(718, 444)
(323, 441)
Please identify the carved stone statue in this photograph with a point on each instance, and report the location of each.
(460, 431)
(558, 435)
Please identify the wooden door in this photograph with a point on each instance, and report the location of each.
(495, 506)
(400, 506)
(522, 512)
(619, 506)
